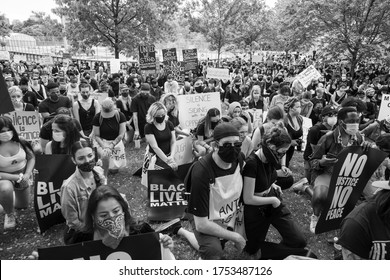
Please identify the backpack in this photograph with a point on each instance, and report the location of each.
(117, 116)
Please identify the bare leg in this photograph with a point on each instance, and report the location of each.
(7, 196)
(190, 236)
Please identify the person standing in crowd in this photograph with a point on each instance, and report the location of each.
(17, 162)
(123, 103)
(306, 104)
(17, 100)
(85, 109)
(211, 192)
(139, 107)
(38, 88)
(75, 191)
(28, 96)
(72, 89)
(9, 81)
(53, 102)
(170, 102)
(115, 84)
(256, 101)
(171, 86)
(262, 200)
(155, 90)
(242, 126)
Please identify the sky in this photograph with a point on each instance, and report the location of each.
(12, 8)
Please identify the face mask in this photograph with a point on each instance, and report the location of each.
(54, 97)
(18, 99)
(352, 128)
(187, 89)
(125, 94)
(159, 119)
(87, 166)
(272, 159)
(214, 124)
(115, 228)
(237, 86)
(58, 136)
(24, 90)
(199, 89)
(229, 154)
(6, 136)
(85, 96)
(332, 121)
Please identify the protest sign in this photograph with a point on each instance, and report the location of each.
(92, 73)
(26, 124)
(349, 177)
(190, 58)
(195, 106)
(99, 95)
(384, 111)
(4, 55)
(166, 193)
(147, 58)
(183, 151)
(6, 103)
(52, 171)
(115, 65)
(46, 60)
(19, 57)
(134, 247)
(176, 68)
(307, 75)
(169, 55)
(257, 59)
(306, 125)
(257, 117)
(217, 73)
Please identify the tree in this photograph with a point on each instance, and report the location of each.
(352, 29)
(4, 26)
(215, 19)
(119, 24)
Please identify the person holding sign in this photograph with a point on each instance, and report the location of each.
(160, 135)
(76, 190)
(17, 162)
(170, 102)
(205, 131)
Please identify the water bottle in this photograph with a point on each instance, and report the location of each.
(137, 143)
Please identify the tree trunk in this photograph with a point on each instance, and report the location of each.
(219, 54)
(116, 51)
(353, 64)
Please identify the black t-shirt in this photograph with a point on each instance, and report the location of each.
(364, 233)
(314, 135)
(264, 173)
(109, 129)
(233, 96)
(46, 130)
(140, 105)
(163, 137)
(48, 106)
(174, 120)
(31, 98)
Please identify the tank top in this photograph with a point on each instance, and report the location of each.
(294, 133)
(13, 163)
(86, 116)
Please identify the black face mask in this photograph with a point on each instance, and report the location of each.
(159, 119)
(271, 157)
(85, 96)
(87, 166)
(125, 94)
(63, 91)
(24, 90)
(199, 89)
(229, 154)
(214, 124)
(237, 86)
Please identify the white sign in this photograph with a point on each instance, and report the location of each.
(26, 123)
(257, 118)
(4, 55)
(218, 73)
(306, 125)
(46, 60)
(384, 111)
(307, 75)
(257, 59)
(183, 151)
(99, 96)
(195, 106)
(115, 65)
(18, 57)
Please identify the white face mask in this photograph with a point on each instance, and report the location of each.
(6, 136)
(58, 136)
(352, 128)
(332, 121)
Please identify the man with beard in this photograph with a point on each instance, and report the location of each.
(53, 101)
(28, 96)
(139, 107)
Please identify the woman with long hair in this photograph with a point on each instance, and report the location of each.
(205, 130)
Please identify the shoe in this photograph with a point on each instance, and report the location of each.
(313, 223)
(169, 227)
(9, 221)
(301, 185)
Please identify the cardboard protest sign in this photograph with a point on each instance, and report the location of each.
(306, 125)
(257, 117)
(169, 55)
(217, 73)
(52, 171)
(46, 60)
(26, 124)
(166, 193)
(4, 55)
(183, 151)
(134, 247)
(115, 65)
(190, 58)
(350, 175)
(195, 106)
(147, 58)
(176, 68)
(6, 103)
(307, 75)
(257, 59)
(384, 111)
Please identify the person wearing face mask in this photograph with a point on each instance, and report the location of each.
(235, 93)
(85, 109)
(53, 102)
(186, 89)
(262, 201)
(171, 86)
(116, 78)
(17, 162)
(281, 98)
(218, 186)
(72, 89)
(324, 156)
(205, 131)
(17, 100)
(256, 100)
(160, 135)
(155, 90)
(198, 86)
(37, 88)
(28, 96)
(76, 190)
(123, 103)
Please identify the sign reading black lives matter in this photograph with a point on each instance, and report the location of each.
(350, 175)
(52, 171)
(190, 58)
(135, 247)
(147, 58)
(167, 193)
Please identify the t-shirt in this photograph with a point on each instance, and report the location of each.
(233, 96)
(174, 120)
(264, 173)
(31, 98)
(364, 233)
(163, 137)
(314, 135)
(48, 106)
(109, 129)
(46, 131)
(140, 105)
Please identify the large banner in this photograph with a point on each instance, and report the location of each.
(26, 124)
(167, 193)
(190, 58)
(147, 58)
(52, 171)
(135, 247)
(217, 73)
(350, 175)
(307, 75)
(183, 151)
(384, 111)
(195, 106)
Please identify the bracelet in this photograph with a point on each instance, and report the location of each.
(20, 178)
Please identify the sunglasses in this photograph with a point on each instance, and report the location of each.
(228, 144)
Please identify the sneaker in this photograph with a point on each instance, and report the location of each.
(169, 227)
(9, 221)
(313, 223)
(301, 185)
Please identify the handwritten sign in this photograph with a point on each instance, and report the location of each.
(26, 124)
(176, 68)
(147, 58)
(4, 55)
(190, 58)
(218, 73)
(307, 75)
(257, 117)
(115, 65)
(195, 106)
(169, 55)
(384, 111)
(183, 151)
(306, 125)
(46, 60)
(257, 59)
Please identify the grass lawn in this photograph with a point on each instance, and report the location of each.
(19, 243)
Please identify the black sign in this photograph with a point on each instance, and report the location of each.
(190, 58)
(147, 57)
(169, 55)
